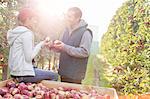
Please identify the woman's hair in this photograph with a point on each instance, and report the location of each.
(24, 14)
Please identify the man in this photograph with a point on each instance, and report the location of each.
(22, 50)
(74, 47)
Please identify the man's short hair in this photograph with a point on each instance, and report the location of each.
(78, 12)
(25, 13)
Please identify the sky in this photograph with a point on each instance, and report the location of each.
(97, 13)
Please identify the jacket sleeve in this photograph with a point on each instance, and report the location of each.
(29, 50)
(83, 50)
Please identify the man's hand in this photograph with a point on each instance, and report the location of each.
(58, 45)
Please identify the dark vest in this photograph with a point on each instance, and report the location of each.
(72, 67)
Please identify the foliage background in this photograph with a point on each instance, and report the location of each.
(126, 47)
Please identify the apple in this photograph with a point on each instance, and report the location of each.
(11, 90)
(61, 93)
(39, 97)
(76, 96)
(37, 88)
(10, 84)
(28, 84)
(46, 95)
(67, 89)
(8, 96)
(15, 91)
(55, 90)
(73, 91)
(26, 92)
(22, 86)
(25, 97)
(60, 97)
(53, 96)
(100, 97)
(84, 92)
(3, 91)
(94, 94)
(30, 94)
(40, 92)
(55, 42)
(30, 87)
(60, 88)
(68, 94)
(85, 97)
(18, 96)
(107, 96)
(47, 39)
(57, 97)
(33, 92)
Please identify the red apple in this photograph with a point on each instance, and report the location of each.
(84, 92)
(30, 87)
(67, 89)
(57, 96)
(10, 84)
(61, 93)
(53, 96)
(73, 91)
(68, 94)
(10, 90)
(25, 97)
(46, 95)
(76, 96)
(60, 88)
(60, 97)
(28, 84)
(2, 91)
(40, 85)
(33, 92)
(30, 94)
(55, 90)
(18, 96)
(5, 89)
(22, 86)
(15, 91)
(100, 97)
(107, 96)
(40, 92)
(39, 97)
(85, 97)
(26, 92)
(37, 88)
(8, 96)
(93, 91)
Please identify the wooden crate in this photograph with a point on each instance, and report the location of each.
(54, 84)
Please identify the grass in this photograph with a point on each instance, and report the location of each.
(89, 78)
(0, 74)
(96, 72)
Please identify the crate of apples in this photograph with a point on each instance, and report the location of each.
(13, 90)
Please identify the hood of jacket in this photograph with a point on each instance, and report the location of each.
(13, 34)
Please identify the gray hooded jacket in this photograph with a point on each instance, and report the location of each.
(22, 51)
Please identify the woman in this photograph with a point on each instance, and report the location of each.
(22, 50)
